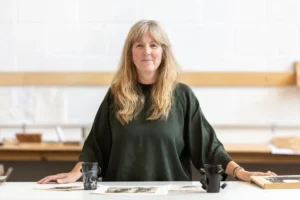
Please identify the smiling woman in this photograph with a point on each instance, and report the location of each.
(150, 127)
(147, 55)
(147, 58)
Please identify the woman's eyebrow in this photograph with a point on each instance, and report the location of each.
(151, 41)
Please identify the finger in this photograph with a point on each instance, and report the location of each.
(63, 180)
(261, 173)
(45, 179)
(49, 179)
(41, 180)
(67, 179)
(271, 173)
(52, 178)
(256, 173)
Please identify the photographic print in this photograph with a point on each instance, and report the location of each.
(283, 179)
(131, 190)
(66, 188)
(2, 179)
(58, 187)
(193, 187)
(277, 182)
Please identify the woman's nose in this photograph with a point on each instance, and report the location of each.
(147, 50)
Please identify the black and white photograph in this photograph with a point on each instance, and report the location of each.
(131, 190)
(66, 188)
(56, 187)
(193, 187)
(284, 179)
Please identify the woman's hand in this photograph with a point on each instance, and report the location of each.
(61, 178)
(244, 175)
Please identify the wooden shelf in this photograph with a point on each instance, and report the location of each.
(239, 78)
(190, 78)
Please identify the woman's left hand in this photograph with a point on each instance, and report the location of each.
(244, 175)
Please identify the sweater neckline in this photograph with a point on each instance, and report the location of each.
(146, 88)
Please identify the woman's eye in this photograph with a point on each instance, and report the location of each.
(153, 45)
(139, 45)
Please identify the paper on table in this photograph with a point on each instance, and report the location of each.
(276, 150)
(60, 187)
(2, 179)
(132, 190)
(193, 187)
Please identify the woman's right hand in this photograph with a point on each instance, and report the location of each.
(61, 178)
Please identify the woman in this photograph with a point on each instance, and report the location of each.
(149, 126)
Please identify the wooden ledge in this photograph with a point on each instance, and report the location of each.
(297, 69)
(190, 78)
(41, 147)
(247, 148)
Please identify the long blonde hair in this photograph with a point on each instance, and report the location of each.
(128, 98)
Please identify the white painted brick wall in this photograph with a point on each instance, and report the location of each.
(8, 11)
(29, 38)
(207, 35)
(6, 47)
(279, 10)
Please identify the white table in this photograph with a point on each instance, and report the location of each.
(234, 190)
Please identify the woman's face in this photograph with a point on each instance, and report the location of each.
(147, 55)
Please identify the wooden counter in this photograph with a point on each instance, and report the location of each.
(39, 152)
(258, 154)
(60, 152)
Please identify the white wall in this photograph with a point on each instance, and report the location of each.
(207, 35)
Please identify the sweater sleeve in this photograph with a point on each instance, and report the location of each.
(203, 144)
(97, 145)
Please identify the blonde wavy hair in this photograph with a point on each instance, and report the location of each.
(128, 98)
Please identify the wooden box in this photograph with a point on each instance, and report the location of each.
(29, 137)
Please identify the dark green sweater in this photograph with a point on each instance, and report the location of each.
(160, 150)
